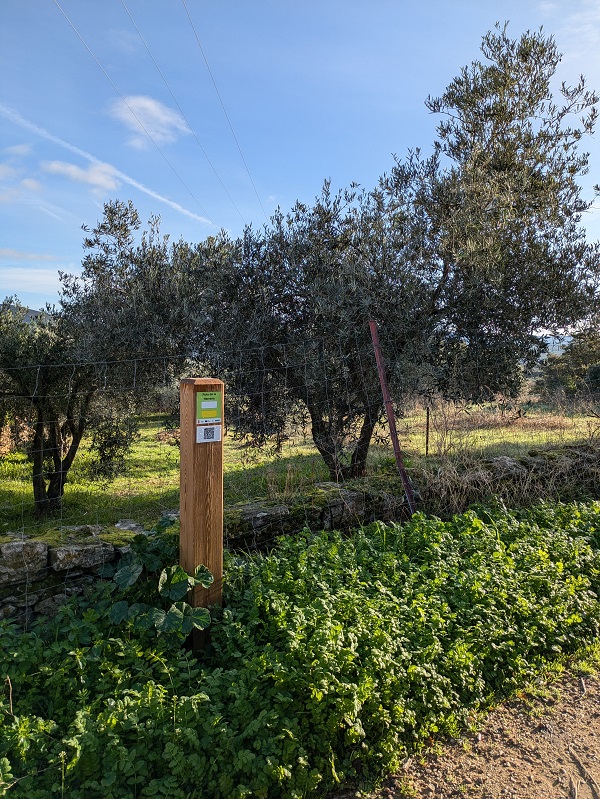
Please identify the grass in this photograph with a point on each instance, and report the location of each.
(150, 485)
(484, 431)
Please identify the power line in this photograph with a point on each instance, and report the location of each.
(140, 123)
(224, 109)
(181, 112)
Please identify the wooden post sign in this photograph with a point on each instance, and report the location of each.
(201, 484)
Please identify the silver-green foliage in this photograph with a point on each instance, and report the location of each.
(462, 258)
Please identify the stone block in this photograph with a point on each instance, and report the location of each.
(130, 525)
(250, 524)
(26, 600)
(30, 555)
(22, 561)
(93, 530)
(344, 508)
(7, 611)
(49, 606)
(80, 556)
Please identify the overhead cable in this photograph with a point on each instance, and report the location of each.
(223, 107)
(135, 116)
(181, 111)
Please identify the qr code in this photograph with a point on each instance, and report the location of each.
(209, 433)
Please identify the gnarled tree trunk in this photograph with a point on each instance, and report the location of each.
(328, 441)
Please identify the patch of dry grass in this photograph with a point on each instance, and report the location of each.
(450, 484)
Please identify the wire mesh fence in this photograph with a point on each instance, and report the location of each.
(90, 457)
(105, 438)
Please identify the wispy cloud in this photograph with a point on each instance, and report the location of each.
(9, 195)
(50, 213)
(579, 37)
(31, 184)
(547, 7)
(100, 176)
(18, 279)
(17, 149)
(11, 174)
(7, 171)
(149, 120)
(17, 119)
(20, 255)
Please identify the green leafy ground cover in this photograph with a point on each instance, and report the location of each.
(333, 658)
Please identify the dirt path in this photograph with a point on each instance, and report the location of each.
(542, 748)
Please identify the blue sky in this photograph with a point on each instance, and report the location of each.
(212, 114)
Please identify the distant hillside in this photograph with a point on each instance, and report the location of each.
(556, 344)
(30, 314)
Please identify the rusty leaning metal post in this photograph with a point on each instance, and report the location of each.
(387, 401)
(201, 487)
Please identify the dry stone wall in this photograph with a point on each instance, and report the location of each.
(36, 578)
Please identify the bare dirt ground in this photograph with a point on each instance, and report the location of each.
(542, 747)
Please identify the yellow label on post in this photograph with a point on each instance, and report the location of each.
(209, 416)
(209, 407)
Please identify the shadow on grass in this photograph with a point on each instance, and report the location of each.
(151, 485)
(143, 495)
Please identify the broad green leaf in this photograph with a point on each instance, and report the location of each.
(164, 523)
(137, 609)
(151, 561)
(203, 577)
(174, 583)
(127, 575)
(119, 612)
(157, 616)
(107, 570)
(140, 542)
(142, 616)
(169, 622)
(198, 618)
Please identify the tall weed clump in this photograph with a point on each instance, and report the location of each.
(333, 657)
(449, 485)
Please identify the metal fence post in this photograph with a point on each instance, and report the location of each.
(387, 401)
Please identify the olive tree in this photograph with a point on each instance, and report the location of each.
(130, 300)
(504, 209)
(79, 367)
(288, 311)
(462, 258)
(574, 372)
(43, 385)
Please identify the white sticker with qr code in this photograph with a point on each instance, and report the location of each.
(207, 433)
